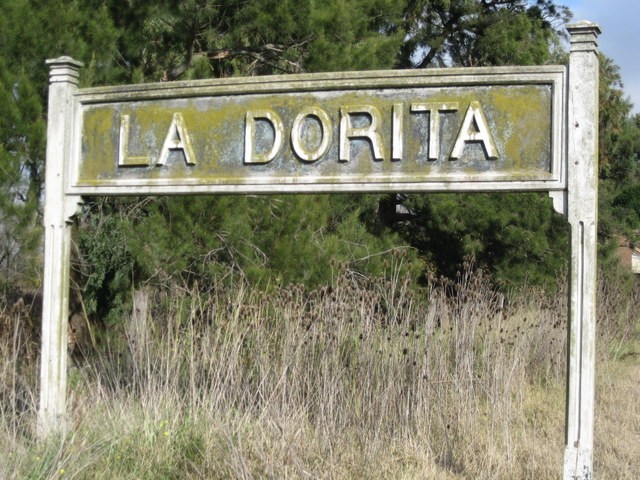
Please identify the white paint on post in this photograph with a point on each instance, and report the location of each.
(582, 193)
(58, 210)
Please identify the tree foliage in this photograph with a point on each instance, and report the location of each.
(269, 240)
(282, 239)
(479, 33)
(30, 32)
(619, 158)
(514, 239)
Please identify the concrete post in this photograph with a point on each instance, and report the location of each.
(582, 191)
(58, 210)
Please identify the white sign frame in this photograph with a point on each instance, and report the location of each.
(572, 183)
(418, 83)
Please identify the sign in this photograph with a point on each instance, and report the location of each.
(461, 130)
(464, 129)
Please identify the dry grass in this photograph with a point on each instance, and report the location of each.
(617, 440)
(363, 379)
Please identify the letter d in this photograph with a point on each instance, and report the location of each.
(249, 136)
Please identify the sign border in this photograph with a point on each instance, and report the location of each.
(553, 76)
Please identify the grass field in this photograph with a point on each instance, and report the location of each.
(361, 380)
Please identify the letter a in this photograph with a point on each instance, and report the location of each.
(177, 139)
(474, 116)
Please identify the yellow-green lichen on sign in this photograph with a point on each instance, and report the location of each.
(412, 135)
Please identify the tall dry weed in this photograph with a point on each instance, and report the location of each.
(361, 379)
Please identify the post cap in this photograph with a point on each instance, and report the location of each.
(64, 69)
(583, 35)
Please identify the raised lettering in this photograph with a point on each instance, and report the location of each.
(348, 131)
(480, 133)
(177, 139)
(249, 136)
(397, 118)
(326, 132)
(124, 160)
(434, 109)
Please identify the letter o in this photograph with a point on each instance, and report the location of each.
(296, 134)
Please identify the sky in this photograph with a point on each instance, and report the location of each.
(618, 20)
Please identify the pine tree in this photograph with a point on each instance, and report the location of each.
(516, 240)
(32, 31)
(619, 159)
(292, 239)
(270, 240)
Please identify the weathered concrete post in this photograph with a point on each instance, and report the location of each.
(582, 191)
(58, 210)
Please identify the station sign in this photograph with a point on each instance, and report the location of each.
(483, 129)
(433, 130)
